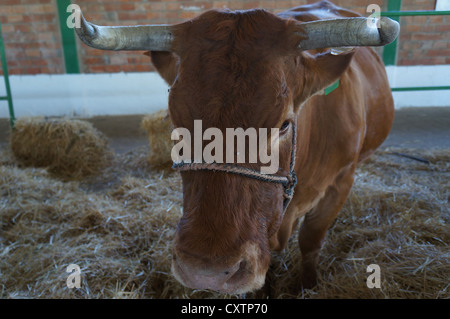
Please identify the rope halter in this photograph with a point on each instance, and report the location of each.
(288, 182)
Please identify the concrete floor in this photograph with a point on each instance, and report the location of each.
(421, 128)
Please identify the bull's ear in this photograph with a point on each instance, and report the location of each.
(166, 63)
(322, 70)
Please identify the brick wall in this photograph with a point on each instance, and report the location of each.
(33, 40)
(31, 34)
(423, 39)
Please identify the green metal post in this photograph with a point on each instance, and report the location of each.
(390, 50)
(8, 96)
(68, 39)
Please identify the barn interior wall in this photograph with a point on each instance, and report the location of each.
(34, 46)
(35, 50)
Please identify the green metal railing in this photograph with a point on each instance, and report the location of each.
(421, 88)
(413, 13)
(8, 96)
(390, 50)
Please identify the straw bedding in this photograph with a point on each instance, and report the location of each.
(118, 227)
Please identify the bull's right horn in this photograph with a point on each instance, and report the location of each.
(348, 32)
(144, 37)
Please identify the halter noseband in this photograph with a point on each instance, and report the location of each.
(288, 182)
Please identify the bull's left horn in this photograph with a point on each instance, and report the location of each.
(348, 32)
(144, 37)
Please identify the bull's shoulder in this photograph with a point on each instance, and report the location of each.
(317, 11)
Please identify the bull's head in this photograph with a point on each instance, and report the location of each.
(237, 69)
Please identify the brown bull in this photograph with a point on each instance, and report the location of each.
(256, 69)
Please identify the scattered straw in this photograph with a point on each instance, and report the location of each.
(68, 148)
(119, 228)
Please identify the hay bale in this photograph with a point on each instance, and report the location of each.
(68, 148)
(159, 129)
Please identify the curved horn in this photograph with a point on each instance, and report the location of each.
(145, 37)
(349, 32)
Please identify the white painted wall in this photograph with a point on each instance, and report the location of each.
(420, 75)
(88, 95)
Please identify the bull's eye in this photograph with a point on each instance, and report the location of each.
(284, 127)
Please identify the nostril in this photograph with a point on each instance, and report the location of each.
(239, 274)
(230, 272)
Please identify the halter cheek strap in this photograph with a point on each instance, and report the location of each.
(288, 182)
